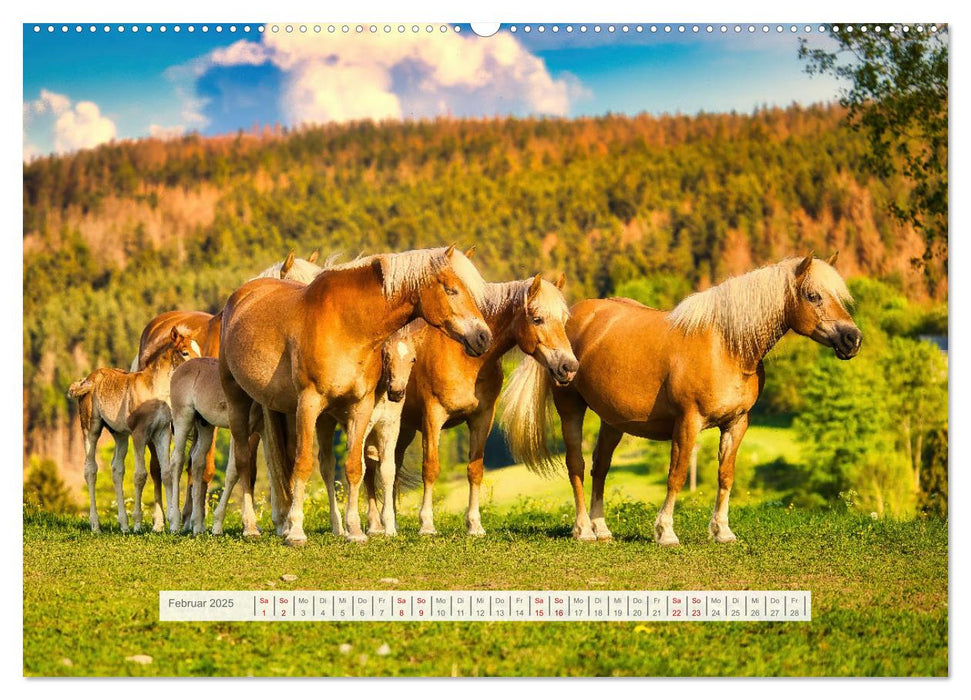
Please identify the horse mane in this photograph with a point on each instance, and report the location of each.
(405, 273)
(498, 296)
(750, 309)
(302, 271)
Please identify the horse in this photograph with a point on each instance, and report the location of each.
(202, 329)
(198, 403)
(311, 354)
(130, 403)
(448, 388)
(669, 375)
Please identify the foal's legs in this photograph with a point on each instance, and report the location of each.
(372, 464)
(118, 476)
(232, 476)
(328, 468)
(607, 441)
(155, 470)
(385, 435)
(571, 409)
(204, 434)
(479, 426)
(686, 430)
(182, 425)
(433, 420)
(731, 438)
(141, 476)
(91, 435)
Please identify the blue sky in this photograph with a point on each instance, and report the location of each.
(84, 88)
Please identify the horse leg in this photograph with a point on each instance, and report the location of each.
(357, 423)
(155, 470)
(232, 476)
(372, 464)
(328, 468)
(406, 436)
(571, 409)
(479, 426)
(181, 425)
(162, 440)
(607, 441)
(731, 438)
(204, 433)
(279, 455)
(387, 439)
(308, 410)
(118, 476)
(91, 435)
(239, 404)
(686, 430)
(141, 477)
(207, 477)
(433, 421)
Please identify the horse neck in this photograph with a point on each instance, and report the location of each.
(158, 375)
(358, 297)
(502, 324)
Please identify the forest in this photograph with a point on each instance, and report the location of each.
(646, 207)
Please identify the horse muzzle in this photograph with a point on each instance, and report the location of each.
(477, 339)
(395, 395)
(564, 369)
(846, 341)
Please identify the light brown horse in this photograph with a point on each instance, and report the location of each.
(312, 354)
(129, 403)
(448, 388)
(669, 375)
(202, 330)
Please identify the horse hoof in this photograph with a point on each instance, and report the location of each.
(584, 535)
(604, 537)
(726, 539)
(377, 530)
(669, 541)
(137, 529)
(476, 531)
(429, 531)
(217, 530)
(359, 537)
(295, 542)
(252, 534)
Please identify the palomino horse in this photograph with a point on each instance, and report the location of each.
(127, 403)
(311, 353)
(202, 330)
(669, 375)
(448, 388)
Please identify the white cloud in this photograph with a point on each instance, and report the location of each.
(69, 126)
(340, 78)
(82, 126)
(166, 132)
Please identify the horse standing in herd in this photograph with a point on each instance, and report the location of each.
(669, 375)
(395, 344)
(312, 354)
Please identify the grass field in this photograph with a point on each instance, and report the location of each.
(879, 588)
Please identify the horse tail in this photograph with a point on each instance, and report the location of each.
(274, 442)
(80, 388)
(526, 416)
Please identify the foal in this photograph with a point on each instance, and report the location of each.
(669, 375)
(130, 403)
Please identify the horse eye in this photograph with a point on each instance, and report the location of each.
(537, 321)
(814, 297)
(451, 291)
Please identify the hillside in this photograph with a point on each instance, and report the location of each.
(115, 235)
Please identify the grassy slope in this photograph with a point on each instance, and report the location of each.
(879, 597)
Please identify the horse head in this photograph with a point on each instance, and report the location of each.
(448, 301)
(818, 309)
(541, 329)
(398, 356)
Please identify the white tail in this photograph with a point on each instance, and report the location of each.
(526, 416)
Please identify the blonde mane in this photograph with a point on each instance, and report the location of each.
(405, 273)
(500, 295)
(750, 310)
(301, 270)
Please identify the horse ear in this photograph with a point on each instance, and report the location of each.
(803, 265)
(313, 256)
(175, 335)
(561, 281)
(534, 287)
(470, 252)
(451, 249)
(832, 259)
(287, 264)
